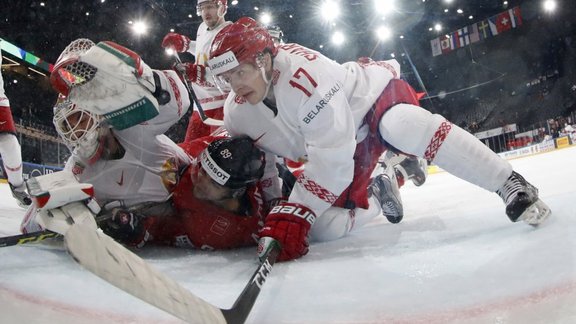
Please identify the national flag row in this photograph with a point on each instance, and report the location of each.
(495, 25)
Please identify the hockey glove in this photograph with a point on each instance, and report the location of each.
(128, 228)
(289, 224)
(196, 73)
(177, 42)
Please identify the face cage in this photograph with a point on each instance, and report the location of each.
(73, 135)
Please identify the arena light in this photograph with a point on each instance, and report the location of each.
(338, 38)
(266, 18)
(549, 5)
(330, 10)
(437, 27)
(384, 7)
(383, 33)
(139, 27)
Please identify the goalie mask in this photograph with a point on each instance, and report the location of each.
(108, 80)
(233, 162)
(80, 130)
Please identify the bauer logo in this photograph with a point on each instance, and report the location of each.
(223, 63)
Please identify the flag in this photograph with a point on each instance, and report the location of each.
(474, 34)
(484, 29)
(463, 37)
(493, 22)
(436, 48)
(515, 17)
(503, 22)
(446, 44)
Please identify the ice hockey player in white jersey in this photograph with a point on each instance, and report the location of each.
(10, 149)
(210, 97)
(112, 114)
(340, 118)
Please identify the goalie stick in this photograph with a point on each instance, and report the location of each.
(26, 238)
(205, 119)
(112, 262)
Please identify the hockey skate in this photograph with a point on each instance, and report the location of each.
(413, 168)
(522, 202)
(20, 194)
(385, 189)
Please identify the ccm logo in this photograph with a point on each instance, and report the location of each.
(303, 213)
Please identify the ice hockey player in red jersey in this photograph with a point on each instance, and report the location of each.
(340, 118)
(218, 200)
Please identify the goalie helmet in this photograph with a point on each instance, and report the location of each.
(233, 162)
(222, 6)
(106, 79)
(240, 42)
(79, 129)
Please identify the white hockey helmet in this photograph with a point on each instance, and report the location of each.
(107, 80)
(276, 33)
(80, 130)
(222, 6)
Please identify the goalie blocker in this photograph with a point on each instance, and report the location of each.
(54, 196)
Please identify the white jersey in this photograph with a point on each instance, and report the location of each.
(208, 94)
(3, 99)
(150, 167)
(320, 105)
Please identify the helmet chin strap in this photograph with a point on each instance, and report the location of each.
(268, 81)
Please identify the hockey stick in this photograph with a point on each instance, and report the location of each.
(33, 237)
(112, 262)
(205, 119)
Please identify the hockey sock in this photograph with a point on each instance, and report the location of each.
(415, 130)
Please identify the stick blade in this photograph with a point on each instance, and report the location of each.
(112, 262)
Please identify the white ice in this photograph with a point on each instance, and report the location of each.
(455, 258)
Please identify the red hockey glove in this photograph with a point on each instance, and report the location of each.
(289, 224)
(177, 42)
(128, 228)
(195, 72)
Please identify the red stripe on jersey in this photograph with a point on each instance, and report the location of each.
(316, 189)
(437, 140)
(177, 94)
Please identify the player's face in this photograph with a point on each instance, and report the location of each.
(207, 189)
(246, 80)
(79, 123)
(209, 12)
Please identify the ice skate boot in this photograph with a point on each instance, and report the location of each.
(21, 195)
(385, 190)
(522, 202)
(413, 168)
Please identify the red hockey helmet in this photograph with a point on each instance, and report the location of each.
(242, 41)
(222, 6)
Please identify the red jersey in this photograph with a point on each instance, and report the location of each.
(199, 223)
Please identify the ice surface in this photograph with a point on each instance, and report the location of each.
(455, 258)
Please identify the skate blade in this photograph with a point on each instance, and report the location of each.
(536, 214)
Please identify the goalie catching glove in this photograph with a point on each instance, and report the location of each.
(177, 42)
(289, 224)
(128, 227)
